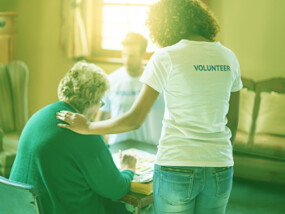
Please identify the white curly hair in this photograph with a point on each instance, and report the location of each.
(83, 86)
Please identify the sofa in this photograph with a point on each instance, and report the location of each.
(259, 148)
(13, 111)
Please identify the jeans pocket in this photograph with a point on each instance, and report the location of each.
(224, 178)
(175, 185)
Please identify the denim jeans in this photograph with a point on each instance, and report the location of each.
(191, 190)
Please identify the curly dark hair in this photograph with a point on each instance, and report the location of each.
(169, 21)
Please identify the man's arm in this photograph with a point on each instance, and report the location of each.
(233, 114)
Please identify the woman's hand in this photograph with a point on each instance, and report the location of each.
(127, 161)
(76, 122)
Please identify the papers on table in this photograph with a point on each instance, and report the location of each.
(144, 167)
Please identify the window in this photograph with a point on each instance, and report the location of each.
(115, 18)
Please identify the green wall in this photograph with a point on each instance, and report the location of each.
(253, 29)
(6, 5)
(38, 45)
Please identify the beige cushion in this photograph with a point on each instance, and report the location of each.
(241, 142)
(245, 110)
(6, 161)
(271, 115)
(241, 138)
(269, 145)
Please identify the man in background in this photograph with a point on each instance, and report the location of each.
(125, 87)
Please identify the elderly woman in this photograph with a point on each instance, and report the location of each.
(73, 172)
(201, 80)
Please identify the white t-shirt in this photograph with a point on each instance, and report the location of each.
(197, 79)
(124, 89)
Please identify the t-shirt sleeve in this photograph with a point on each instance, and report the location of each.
(101, 173)
(237, 84)
(157, 71)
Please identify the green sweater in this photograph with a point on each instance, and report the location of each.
(73, 172)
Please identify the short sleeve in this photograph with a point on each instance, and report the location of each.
(157, 71)
(237, 84)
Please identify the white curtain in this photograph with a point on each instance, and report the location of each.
(75, 32)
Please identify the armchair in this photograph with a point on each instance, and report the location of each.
(13, 111)
(16, 197)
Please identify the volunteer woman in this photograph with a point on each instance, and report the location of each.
(201, 80)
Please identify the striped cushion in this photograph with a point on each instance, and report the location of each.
(10, 141)
(19, 74)
(6, 103)
(1, 139)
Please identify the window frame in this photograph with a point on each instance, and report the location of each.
(103, 55)
(97, 52)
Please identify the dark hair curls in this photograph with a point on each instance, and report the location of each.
(169, 21)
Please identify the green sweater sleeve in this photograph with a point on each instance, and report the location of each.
(102, 174)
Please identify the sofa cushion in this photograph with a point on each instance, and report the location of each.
(259, 168)
(269, 146)
(246, 106)
(271, 115)
(241, 139)
(6, 161)
(6, 103)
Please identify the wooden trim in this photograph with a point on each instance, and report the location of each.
(138, 200)
(112, 60)
(127, 4)
(105, 55)
(9, 13)
(105, 59)
(248, 83)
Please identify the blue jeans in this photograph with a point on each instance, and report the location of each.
(199, 190)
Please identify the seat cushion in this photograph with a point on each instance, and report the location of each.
(6, 103)
(6, 161)
(10, 141)
(269, 146)
(246, 106)
(241, 138)
(259, 168)
(271, 115)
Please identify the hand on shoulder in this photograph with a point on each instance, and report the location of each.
(75, 122)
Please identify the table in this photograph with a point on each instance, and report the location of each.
(137, 200)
